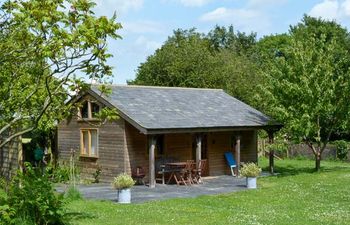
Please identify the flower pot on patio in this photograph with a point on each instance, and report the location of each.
(123, 182)
(251, 171)
(124, 195)
(251, 182)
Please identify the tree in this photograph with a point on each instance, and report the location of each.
(192, 59)
(308, 86)
(226, 38)
(46, 45)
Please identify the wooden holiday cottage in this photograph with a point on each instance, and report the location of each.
(159, 122)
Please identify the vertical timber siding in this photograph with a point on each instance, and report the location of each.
(221, 142)
(178, 146)
(110, 148)
(10, 155)
(136, 149)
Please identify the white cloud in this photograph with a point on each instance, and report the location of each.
(328, 9)
(346, 7)
(332, 10)
(147, 45)
(189, 3)
(254, 15)
(119, 6)
(194, 3)
(227, 15)
(243, 19)
(265, 3)
(145, 26)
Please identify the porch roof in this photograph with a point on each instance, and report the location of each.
(168, 109)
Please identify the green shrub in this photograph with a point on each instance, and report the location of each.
(123, 181)
(72, 194)
(7, 214)
(58, 174)
(279, 146)
(61, 173)
(97, 174)
(342, 149)
(250, 170)
(32, 197)
(3, 183)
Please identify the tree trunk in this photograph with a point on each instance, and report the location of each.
(318, 161)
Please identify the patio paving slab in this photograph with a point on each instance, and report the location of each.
(141, 193)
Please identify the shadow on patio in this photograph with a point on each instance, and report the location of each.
(140, 193)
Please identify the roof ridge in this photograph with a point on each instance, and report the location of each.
(159, 87)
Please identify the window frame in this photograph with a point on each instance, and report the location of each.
(88, 153)
(89, 108)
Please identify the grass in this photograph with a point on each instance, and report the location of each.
(295, 196)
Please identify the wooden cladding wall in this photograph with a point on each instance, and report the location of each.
(218, 144)
(10, 157)
(221, 142)
(178, 146)
(110, 147)
(136, 151)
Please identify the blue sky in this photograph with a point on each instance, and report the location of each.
(148, 23)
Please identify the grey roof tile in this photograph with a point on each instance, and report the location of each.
(174, 108)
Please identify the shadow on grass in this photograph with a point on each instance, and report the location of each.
(291, 170)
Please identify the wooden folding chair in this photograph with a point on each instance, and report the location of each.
(185, 174)
(197, 173)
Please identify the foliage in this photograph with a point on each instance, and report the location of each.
(72, 194)
(50, 41)
(308, 86)
(59, 173)
(285, 199)
(3, 183)
(32, 197)
(280, 146)
(342, 149)
(250, 170)
(123, 181)
(97, 174)
(188, 58)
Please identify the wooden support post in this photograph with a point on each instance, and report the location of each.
(152, 146)
(271, 153)
(198, 149)
(238, 154)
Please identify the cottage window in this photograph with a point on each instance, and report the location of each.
(89, 110)
(89, 142)
(85, 110)
(95, 109)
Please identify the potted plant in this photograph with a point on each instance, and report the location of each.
(251, 171)
(123, 182)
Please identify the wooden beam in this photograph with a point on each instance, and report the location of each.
(238, 154)
(152, 146)
(271, 153)
(198, 148)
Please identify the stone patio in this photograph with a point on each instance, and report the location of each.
(141, 193)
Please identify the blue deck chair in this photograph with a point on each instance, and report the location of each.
(231, 162)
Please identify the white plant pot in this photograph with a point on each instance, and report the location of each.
(251, 182)
(124, 196)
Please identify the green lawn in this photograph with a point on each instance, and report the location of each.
(296, 196)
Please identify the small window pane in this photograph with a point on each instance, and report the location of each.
(93, 142)
(95, 108)
(85, 142)
(85, 110)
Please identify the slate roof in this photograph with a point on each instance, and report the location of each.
(167, 108)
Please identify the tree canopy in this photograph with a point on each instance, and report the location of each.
(44, 45)
(301, 78)
(219, 59)
(307, 85)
